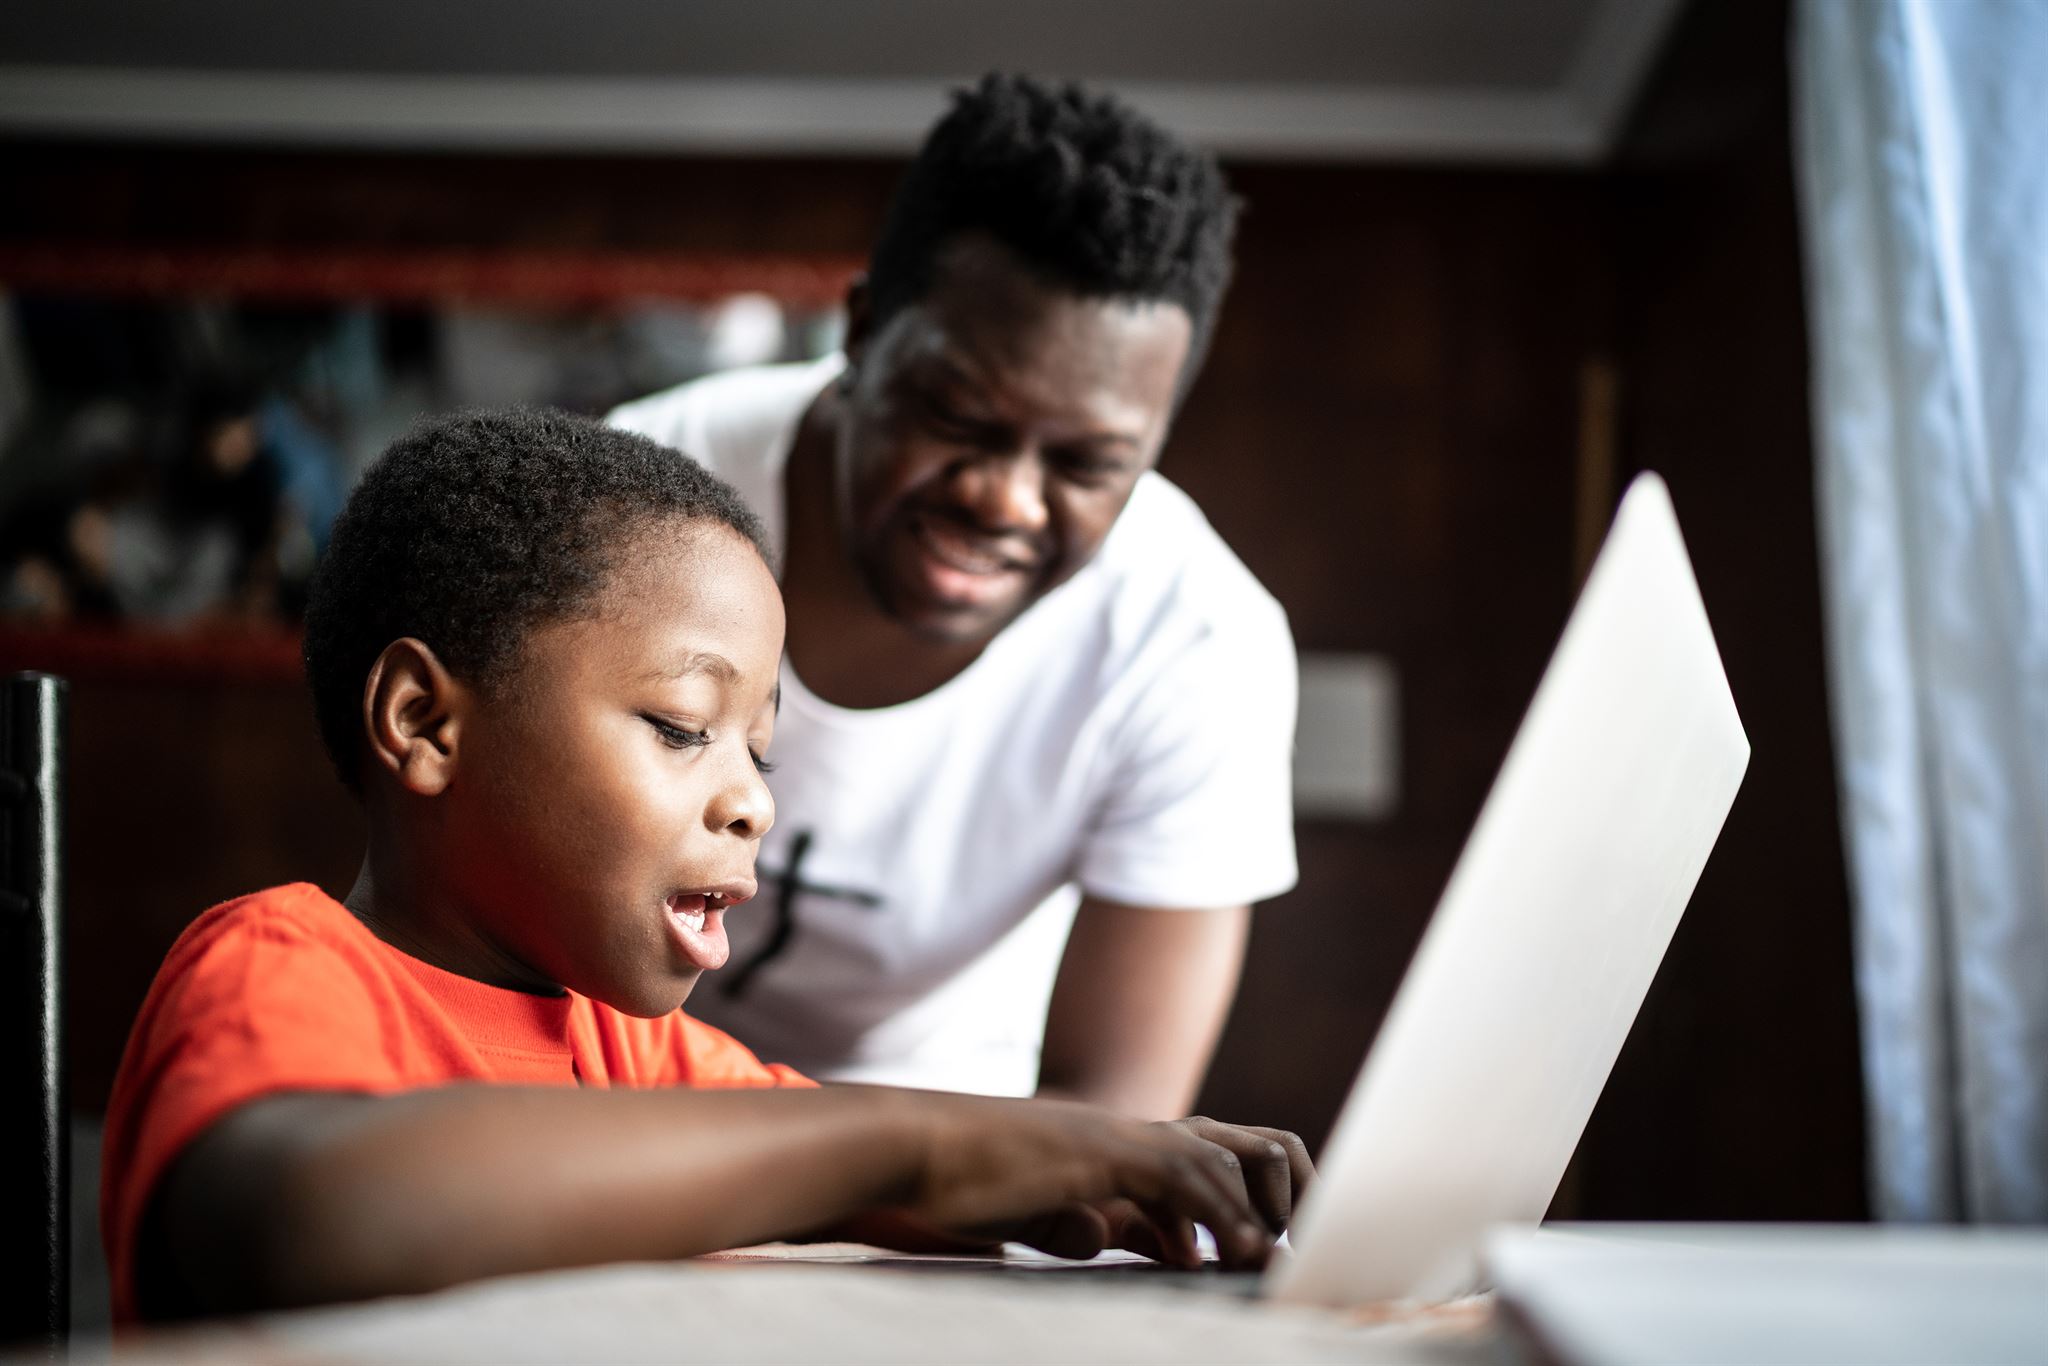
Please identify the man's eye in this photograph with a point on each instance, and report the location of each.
(956, 429)
(676, 737)
(1088, 471)
(949, 425)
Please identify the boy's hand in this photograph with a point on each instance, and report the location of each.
(1273, 1162)
(1072, 1180)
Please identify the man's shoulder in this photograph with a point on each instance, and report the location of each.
(703, 416)
(1164, 568)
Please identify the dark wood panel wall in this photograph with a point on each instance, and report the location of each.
(1739, 1095)
(1388, 431)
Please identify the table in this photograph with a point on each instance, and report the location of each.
(1814, 1295)
(827, 1304)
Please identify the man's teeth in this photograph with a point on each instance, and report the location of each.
(965, 557)
(694, 919)
(961, 553)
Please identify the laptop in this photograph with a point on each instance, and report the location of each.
(1518, 999)
(1540, 952)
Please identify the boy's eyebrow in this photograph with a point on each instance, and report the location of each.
(698, 662)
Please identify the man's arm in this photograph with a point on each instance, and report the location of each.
(310, 1197)
(1140, 999)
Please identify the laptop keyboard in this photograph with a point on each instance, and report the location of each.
(1206, 1280)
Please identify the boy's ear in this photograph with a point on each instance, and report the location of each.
(413, 713)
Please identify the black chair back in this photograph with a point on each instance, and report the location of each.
(35, 1153)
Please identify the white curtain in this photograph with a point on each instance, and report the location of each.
(1923, 168)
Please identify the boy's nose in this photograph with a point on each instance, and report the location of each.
(743, 807)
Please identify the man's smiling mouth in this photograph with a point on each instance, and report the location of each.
(959, 549)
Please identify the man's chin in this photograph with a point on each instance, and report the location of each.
(953, 628)
(945, 622)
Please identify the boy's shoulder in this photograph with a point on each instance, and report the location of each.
(274, 991)
(293, 905)
(297, 913)
(281, 960)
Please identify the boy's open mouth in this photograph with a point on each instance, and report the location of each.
(696, 922)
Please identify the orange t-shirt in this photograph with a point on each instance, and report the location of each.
(285, 990)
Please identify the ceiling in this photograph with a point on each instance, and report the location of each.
(1516, 80)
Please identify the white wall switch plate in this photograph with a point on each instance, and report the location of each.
(1347, 742)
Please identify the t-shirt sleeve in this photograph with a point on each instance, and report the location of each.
(1198, 809)
(658, 417)
(260, 1008)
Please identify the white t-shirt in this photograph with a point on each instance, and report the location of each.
(1129, 734)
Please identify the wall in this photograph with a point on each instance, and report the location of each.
(1388, 432)
(1739, 1095)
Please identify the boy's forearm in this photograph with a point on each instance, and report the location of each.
(306, 1198)
(316, 1197)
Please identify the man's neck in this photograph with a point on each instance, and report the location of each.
(845, 648)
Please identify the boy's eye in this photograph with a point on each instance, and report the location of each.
(679, 737)
(676, 737)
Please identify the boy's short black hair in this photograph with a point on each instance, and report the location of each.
(1087, 191)
(472, 529)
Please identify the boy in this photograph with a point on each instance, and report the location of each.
(544, 655)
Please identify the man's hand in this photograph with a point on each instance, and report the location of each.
(1073, 1180)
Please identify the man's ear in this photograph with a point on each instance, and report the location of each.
(413, 715)
(860, 319)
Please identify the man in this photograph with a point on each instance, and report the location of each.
(1027, 687)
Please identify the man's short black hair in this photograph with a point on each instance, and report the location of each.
(1091, 194)
(471, 530)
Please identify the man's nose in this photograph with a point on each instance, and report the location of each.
(743, 805)
(1006, 492)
